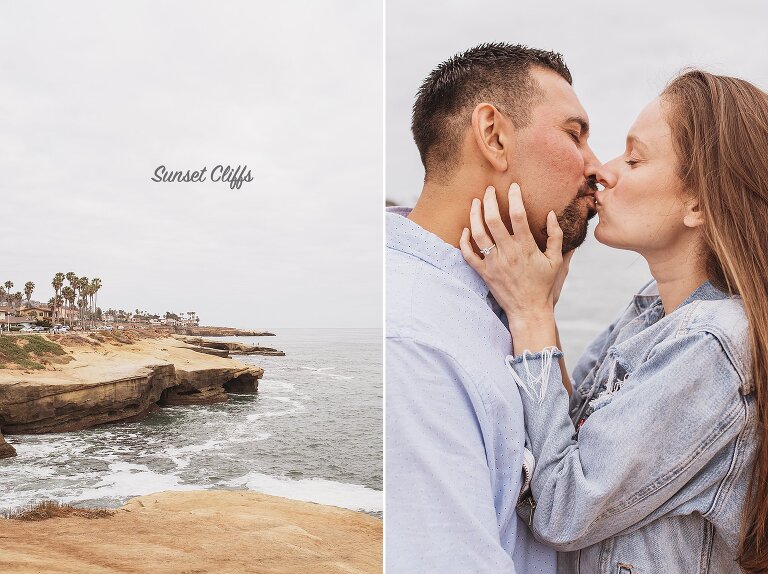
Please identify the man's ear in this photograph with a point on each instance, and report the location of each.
(491, 132)
(693, 215)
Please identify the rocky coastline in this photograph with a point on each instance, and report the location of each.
(221, 332)
(226, 348)
(6, 450)
(104, 378)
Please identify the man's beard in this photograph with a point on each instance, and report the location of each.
(571, 220)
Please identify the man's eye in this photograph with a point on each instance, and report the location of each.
(575, 136)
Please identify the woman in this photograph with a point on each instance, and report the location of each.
(658, 462)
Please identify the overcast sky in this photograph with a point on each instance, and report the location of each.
(621, 55)
(95, 95)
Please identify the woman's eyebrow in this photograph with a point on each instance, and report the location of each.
(636, 141)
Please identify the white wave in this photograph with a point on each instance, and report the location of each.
(339, 377)
(322, 491)
(272, 414)
(126, 480)
(175, 452)
(275, 385)
(247, 436)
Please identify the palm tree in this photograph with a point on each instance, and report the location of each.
(29, 287)
(58, 281)
(2, 296)
(83, 283)
(95, 286)
(8, 297)
(59, 301)
(18, 297)
(72, 278)
(69, 295)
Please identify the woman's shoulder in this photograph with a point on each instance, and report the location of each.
(725, 319)
(717, 313)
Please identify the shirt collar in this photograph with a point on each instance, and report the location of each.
(408, 237)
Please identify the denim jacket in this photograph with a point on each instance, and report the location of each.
(649, 472)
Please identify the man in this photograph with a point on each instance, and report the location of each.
(494, 115)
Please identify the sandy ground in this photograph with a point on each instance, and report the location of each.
(198, 532)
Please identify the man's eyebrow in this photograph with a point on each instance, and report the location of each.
(584, 124)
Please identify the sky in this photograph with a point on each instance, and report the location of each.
(94, 96)
(620, 54)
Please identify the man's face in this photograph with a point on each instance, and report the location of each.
(553, 163)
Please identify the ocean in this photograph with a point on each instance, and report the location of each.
(313, 432)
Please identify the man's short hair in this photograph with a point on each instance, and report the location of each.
(495, 73)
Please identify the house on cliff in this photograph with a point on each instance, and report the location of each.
(38, 313)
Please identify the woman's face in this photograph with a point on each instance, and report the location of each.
(642, 205)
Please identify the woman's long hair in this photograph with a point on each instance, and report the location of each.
(720, 135)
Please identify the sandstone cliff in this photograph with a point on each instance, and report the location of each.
(6, 450)
(199, 532)
(228, 347)
(109, 380)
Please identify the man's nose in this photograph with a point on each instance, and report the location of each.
(591, 163)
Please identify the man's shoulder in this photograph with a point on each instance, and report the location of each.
(429, 304)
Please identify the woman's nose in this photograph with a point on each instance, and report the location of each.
(606, 175)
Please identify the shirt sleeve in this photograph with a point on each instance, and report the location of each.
(440, 514)
(651, 436)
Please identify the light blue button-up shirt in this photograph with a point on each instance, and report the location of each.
(454, 418)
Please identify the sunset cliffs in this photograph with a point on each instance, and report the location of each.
(82, 380)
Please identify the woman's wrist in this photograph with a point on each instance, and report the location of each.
(533, 331)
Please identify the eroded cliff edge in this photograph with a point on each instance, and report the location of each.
(103, 379)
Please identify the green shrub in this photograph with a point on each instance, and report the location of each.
(26, 350)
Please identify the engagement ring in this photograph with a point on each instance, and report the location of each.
(487, 250)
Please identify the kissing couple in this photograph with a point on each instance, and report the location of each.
(651, 456)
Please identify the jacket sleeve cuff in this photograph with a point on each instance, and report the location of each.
(532, 371)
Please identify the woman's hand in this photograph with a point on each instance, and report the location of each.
(522, 278)
(562, 274)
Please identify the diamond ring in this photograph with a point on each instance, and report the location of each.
(487, 250)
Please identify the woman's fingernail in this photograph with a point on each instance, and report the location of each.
(475, 202)
(489, 189)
